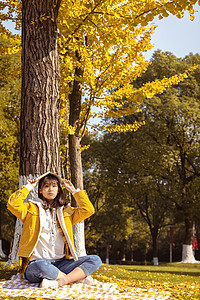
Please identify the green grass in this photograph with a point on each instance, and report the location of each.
(174, 273)
(181, 280)
(7, 272)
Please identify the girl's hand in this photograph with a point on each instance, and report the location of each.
(33, 182)
(69, 186)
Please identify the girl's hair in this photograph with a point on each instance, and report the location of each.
(59, 199)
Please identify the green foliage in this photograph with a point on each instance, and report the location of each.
(173, 123)
(114, 221)
(155, 170)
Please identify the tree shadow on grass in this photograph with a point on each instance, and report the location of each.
(197, 273)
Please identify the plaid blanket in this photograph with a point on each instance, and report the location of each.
(18, 286)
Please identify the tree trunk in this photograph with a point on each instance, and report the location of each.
(124, 250)
(1, 250)
(40, 115)
(188, 232)
(131, 255)
(131, 247)
(187, 252)
(107, 251)
(154, 234)
(40, 97)
(75, 154)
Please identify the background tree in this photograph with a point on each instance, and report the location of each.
(155, 209)
(172, 130)
(116, 225)
(122, 168)
(176, 113)
(162, 157)
(9, 132)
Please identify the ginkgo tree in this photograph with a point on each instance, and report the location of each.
(9, 131)
(101, 45)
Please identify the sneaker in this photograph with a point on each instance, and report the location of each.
(87, 280)
(46, 283)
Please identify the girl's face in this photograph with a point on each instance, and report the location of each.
(49, 189)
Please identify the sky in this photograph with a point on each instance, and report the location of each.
(179, 36)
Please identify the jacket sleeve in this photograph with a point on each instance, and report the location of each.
(84, 210)
(16, 203)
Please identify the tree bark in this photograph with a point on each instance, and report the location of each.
(131, 247)
(124, 250)
(1, 249)
(74, 140)
(40, 97)
(0, 218)
(107, 251)
(187, 252)
(188, 232)
(75, 153)
(154, 234)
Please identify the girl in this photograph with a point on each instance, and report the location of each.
(46, 250)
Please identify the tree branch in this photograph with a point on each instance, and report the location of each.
(82, 22)
(58, 3)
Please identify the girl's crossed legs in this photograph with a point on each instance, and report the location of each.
(64, 271)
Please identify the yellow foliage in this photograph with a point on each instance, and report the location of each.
(124, 128)
(85, 147)
(69, 130)
(107, 39)
(111, 38)
(12, 43)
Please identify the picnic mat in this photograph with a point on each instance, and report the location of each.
(18, 286)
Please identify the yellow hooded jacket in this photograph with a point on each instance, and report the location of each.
(31, 213)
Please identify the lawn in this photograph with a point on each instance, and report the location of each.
(181, 280)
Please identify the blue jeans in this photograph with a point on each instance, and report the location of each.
(49, 269)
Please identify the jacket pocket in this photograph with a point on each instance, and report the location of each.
(31, 213)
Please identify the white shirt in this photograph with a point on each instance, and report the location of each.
(50, 243)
